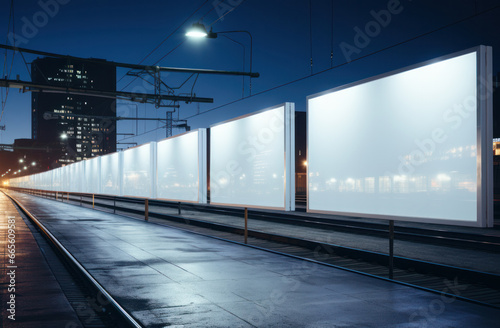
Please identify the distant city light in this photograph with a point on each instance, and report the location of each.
(21, 160)
(64, 136)
(33, 163)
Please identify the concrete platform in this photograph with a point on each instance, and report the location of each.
(478, 260)
(39, 300)
(169, 277)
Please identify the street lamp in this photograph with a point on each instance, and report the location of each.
(64, 136)
(198, 31)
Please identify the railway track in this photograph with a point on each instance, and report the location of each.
(447, 281)
(94, 306)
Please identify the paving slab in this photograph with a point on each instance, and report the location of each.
(39, 300)
(169, 277)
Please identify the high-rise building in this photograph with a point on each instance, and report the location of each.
(83, 124)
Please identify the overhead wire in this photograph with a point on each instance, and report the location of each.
(4, 98)
(168, 36)
(222, 16)
(353, 60)
(331, 39)
(164, 40)
(333, 67)
(175, 30)
(213, 7)
(310, 35)
(168, 53)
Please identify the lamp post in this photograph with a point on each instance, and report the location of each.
(198, 30)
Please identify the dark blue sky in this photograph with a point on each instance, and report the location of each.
(127, 31)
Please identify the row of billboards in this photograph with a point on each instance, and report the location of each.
(251, 164)
(414, 144)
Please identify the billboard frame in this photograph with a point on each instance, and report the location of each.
(202, 167)
(289, 157)
(484, 133)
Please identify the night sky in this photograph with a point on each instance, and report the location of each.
(283, 36)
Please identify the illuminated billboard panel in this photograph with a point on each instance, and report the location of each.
(411, 145)
(111, 174)
(139, 171)
(92, 168)
(182, 167)
(252, 161)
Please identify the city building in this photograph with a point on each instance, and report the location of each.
(83, 125)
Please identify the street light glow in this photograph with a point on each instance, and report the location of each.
(197, 31)
(64, 136)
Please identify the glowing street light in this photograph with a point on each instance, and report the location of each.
(21, 160)
(198, 31)
(64, 136)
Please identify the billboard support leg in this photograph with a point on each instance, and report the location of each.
(246, 225)
(391, 249)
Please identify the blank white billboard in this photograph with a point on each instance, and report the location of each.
(92, 168)
(76, 177)
(410, 145)
(65, 178)
(182, 167)
(56, 179)
(139, 171)
(252, 160)
(111, 174)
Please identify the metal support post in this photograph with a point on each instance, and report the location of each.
(92, 201)
(179, 208)
(246, 225)
(391, 249)
(146, 210)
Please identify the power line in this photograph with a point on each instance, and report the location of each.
(213, 7)
(331, 40)
(221, 17)
(348, 62)
(331, 68)
(310, 35)
(4, 98)
(165, 39)
(168, 53)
